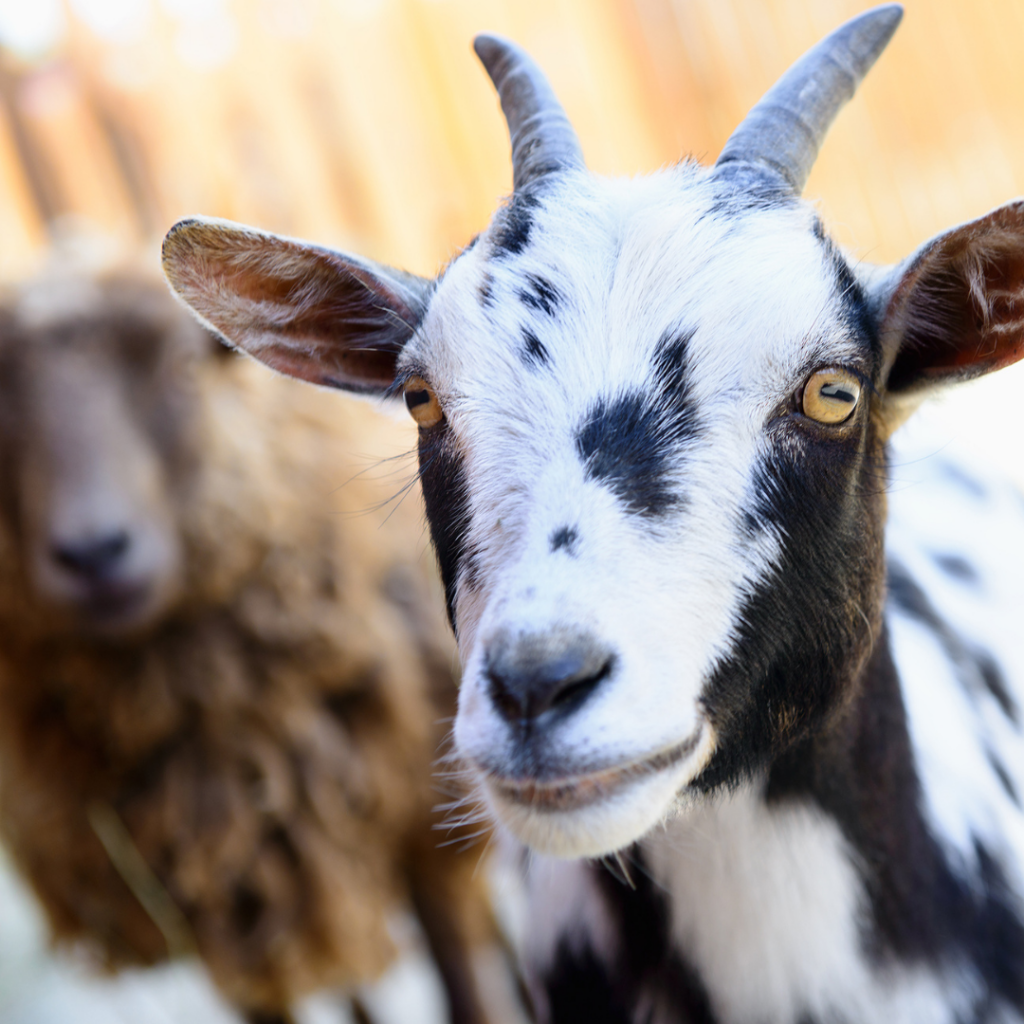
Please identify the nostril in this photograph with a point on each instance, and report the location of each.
(578, 690)
(94, 558)
(533, 674)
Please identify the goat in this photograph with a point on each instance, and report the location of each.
(219, 682)
(654, 420)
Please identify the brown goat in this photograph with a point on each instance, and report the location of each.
(220, 676)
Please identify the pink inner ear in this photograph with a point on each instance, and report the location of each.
(959, 310)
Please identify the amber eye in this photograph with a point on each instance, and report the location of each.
(830, 396)
(422, 403)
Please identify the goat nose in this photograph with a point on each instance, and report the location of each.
(530, 674)
(95, 558)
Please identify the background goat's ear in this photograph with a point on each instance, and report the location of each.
(955, 309)
(308, 312)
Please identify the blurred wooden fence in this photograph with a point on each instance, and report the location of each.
(368, 123)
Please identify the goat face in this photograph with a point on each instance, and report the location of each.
(653, 417)
(97, 382)
(622, 474)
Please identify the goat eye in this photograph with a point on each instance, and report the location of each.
(422, 403)
(831, 395)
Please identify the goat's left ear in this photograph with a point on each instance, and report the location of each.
(306, 311)
(954, 310)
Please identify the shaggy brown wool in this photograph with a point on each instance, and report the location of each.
(267, 744)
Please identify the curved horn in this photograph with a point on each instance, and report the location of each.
(543, 141)
(781, 135)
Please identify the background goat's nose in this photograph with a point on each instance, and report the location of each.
(96, 558)
(530, 674)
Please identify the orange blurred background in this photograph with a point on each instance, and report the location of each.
(369, 124)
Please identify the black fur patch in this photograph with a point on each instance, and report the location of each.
(957, 567)
(971, 663)
(446, 497)
(799, 633)
(993, 678)
(541, 294)
(486, 291)
(580, 988)
(534, 352)
(564, 537)
(1004, 777)
(646, 970)
(620, 444)
(633, 443)
(856, 313)
(994, 933)
(514, 223)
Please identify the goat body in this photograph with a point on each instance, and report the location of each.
(654, 444)
(226, 749)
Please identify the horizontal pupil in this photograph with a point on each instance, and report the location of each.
(837, 391)
(414, 398)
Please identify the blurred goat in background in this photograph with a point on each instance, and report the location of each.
(220, 682)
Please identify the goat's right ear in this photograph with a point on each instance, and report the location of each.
(952, 311)
(305, 311)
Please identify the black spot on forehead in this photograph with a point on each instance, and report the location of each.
(620, 445)
(534, 352)
(446, 497)
(670, 362)
(540, 294)
(633, 443)
(565, 537)
(513, 225)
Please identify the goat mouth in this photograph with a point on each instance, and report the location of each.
(574, 792)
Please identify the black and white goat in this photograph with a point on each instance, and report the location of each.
(654, 421)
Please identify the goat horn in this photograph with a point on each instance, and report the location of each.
(543, 140)
(781, 135)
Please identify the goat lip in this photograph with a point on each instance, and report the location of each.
(573, 792)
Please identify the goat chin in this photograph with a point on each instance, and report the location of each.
(622, 811)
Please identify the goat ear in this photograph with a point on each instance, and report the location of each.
(305, 311)
(955, 309)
